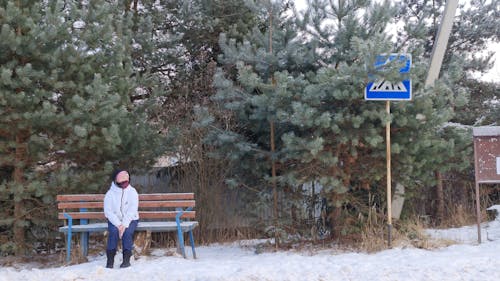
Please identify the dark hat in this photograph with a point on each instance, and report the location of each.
(115, 174)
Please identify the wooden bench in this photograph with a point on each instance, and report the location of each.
(158, 212)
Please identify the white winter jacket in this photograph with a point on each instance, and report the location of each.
(121, 205)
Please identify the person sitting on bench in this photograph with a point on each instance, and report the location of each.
(121, 208)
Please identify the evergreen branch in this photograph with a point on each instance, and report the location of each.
(250, 188)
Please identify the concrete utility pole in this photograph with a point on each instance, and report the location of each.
(441, 42)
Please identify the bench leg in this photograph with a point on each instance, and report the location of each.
(180, 242)
(84, 243)
(68, 241)
(191, 240)
(84, 236)
(68, 247)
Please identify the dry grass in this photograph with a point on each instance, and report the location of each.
(410, 233)
(459, 215)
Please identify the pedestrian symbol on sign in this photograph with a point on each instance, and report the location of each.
(388, 86)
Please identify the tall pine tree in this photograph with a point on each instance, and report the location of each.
(266, 69)
(67, 117)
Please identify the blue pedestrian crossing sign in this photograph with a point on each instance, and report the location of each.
(388, 90)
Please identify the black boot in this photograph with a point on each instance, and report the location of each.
(110, 255)
(126, 258)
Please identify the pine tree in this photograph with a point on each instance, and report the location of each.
(67, 117)
(420, 143)
(325, 131)
(266, 67)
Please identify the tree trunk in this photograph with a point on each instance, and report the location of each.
(273, 148)
(275, 189)
(439, 198)
(20, 160)
(18, 177)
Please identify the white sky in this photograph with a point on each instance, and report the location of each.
(494, 74)
(239, 262)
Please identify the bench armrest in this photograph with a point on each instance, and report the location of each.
(179, 214)
(68, 243)
(179, 230)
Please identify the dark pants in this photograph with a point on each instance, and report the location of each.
(127, 238)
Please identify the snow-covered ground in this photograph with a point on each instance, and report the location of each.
(239, 261)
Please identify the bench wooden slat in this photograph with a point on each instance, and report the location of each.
(165, 215)
(78, 205)
(81, 215)
(166, 196)
(80, 197)
(142, 204)
(142, 215)
(171, 204)
(148, 197)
